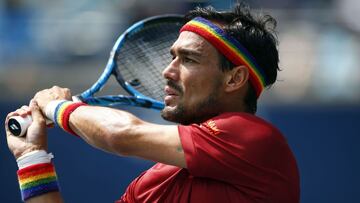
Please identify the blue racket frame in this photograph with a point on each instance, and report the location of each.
(136, 98)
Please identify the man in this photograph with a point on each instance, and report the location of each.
(220, 152)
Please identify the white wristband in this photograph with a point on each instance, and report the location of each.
(51, 108)
(34, 157)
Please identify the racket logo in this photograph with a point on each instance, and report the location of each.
(14, 127)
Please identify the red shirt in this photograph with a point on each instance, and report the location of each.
(233, 157)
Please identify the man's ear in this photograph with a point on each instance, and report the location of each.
(236, 78)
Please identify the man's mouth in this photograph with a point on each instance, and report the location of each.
(170, 95)
(170, 91)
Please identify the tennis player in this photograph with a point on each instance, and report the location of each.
(219, 152)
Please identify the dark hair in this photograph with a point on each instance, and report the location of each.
(256, 34)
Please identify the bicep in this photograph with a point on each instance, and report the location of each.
(160, 143)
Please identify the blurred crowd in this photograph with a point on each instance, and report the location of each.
(67, 43)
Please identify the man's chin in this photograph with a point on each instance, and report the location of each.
(170, 113)
(176, 114)
(170, 107)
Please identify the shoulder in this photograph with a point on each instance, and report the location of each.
(235, 138)
(238, 118)
(237, 128)
(236, 123)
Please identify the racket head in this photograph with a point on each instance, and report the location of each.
(137, 60)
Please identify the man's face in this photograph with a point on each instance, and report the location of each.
(194, 81)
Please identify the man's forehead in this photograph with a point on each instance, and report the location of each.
(190, 40)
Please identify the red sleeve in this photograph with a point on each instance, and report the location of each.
(233, 147)
(128, 196)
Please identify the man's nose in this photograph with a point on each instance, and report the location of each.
(171, 72)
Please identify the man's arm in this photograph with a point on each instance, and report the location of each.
(35, 139)
(51, 197)
(122, 133)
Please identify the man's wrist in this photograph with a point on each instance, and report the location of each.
(36, 180)
(52, 107)
(18, 153)
(36, 174)
(34, 157)
(59, 112)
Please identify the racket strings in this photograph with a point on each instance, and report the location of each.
(149, 77)
(144, 56)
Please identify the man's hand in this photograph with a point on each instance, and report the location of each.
(43, 97)
(35, 138)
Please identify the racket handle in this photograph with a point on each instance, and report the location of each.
(18, 125)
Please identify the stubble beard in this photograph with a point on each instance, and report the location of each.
(197, 113)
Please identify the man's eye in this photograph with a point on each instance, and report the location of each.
(188, 60)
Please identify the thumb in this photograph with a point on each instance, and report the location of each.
(36, 133)
(36, 114)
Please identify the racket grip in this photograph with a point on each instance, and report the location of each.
(18, 125)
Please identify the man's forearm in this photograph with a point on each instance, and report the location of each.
(104, 128)
(51, 197)
(122, 133)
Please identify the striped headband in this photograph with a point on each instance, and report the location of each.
(229, 47)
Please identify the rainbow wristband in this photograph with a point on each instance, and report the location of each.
(62, 114)
(37, 179)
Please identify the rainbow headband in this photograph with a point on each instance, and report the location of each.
(229, 47)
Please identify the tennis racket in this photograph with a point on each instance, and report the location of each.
(136, 61)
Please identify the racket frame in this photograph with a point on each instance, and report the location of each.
(136, 98)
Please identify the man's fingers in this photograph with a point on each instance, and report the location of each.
(23, 111)
(25, 108)
(11, 114)
(36, 113)
(6, 126)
